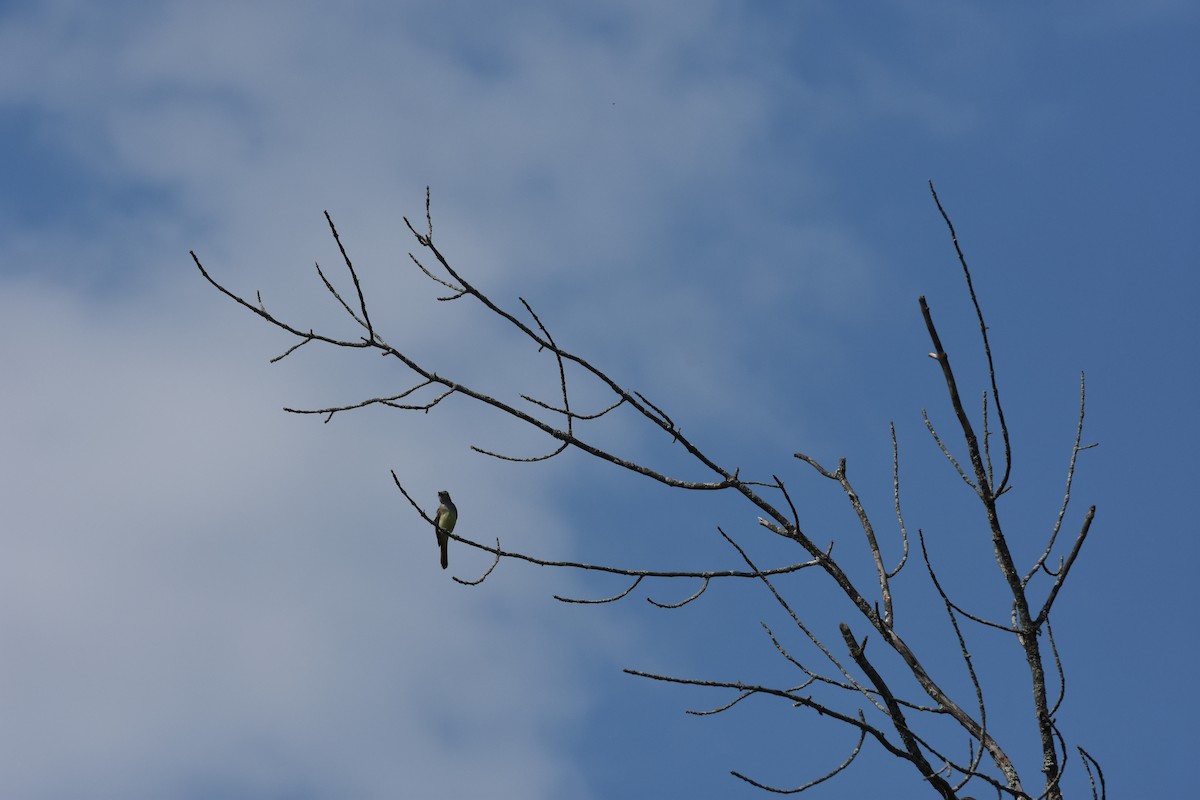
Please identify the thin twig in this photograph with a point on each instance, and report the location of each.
(1058, 666)
(1062, 574)
(345, 306)
(798, 700)
(812, 637)
(864, 522)
(1076, 449)
(937, 584)
(946, 451)
(685, 601)
(612, 599)
(987, 347)
(362, 301)
(899, 514)
(862, 735)
(1088, 763)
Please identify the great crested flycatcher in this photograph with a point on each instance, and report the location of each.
(444, 521)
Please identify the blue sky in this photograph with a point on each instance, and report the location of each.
(725, 205)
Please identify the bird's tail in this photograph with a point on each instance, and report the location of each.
(445, 554)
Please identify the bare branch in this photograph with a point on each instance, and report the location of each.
(362, 302)
(965, 651)
(765, 578)
(640, 404)
(681, 603)
(458, 290)
(1088, 763)
(987, 440)
(869, 531)
(385, 401)
(987, 348)
(1062, 574)
(812, 462)
(937, 584)
(291, 349)
(943, 359)
(721, 708)
(896, 495)
(1054, 776)
(574, 414)
(522, 460)
(413, 503)
(345, 306)
(862, 735)
(1062, 676)
(787, 497)
(428, 215)
(1062, 511)
(946, 452)
(631, 573)
(500, 553)
(261, 311)
(663, 419)
(797, 700)
(913, 751)
(487, 572)
(562, 372)
(612, 599)
(814, 677)
(864, 522)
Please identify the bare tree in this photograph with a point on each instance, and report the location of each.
(847, 685)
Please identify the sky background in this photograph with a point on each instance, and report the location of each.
(725, 205)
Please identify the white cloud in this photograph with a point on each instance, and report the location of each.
(197, 587)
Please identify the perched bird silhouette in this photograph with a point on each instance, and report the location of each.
(444, 521)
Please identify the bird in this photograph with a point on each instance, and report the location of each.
(444, 521)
